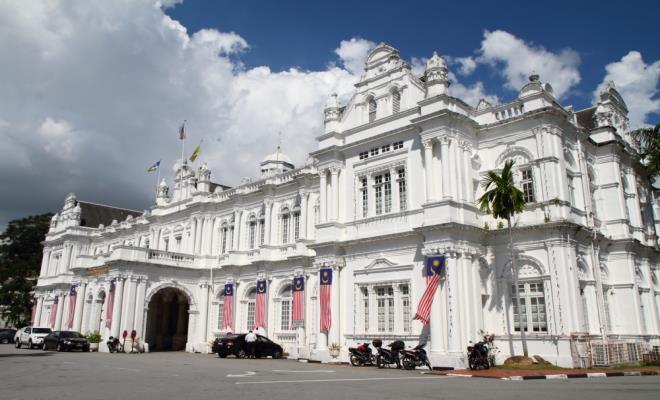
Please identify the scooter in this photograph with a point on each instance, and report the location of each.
(478, 355)
(114, 346)
(416, 357)
(361, 355)
(388, 357)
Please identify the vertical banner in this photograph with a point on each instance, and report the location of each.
(110, 305)
(261, 305)
(53, 312)
(228, 310)
(72, 306)
(298, 306)
(325, 298)
(432, 271)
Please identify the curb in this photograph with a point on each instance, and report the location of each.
(562, 376)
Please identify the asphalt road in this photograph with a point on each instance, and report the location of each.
(35, 374)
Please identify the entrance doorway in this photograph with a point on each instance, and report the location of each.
(167, 320)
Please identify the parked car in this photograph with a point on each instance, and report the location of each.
(31, 337)
(65, 341)
(235, 345)
(7, 335)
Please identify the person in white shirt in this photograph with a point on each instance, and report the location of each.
(251, 341)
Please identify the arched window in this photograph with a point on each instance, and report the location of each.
(396, 101)
(284, 222)
(221, 311)
(285, 309)
(252, 239)
(372, 109)
(249, 308)
(296, 224)
(262, 229)
(224, 231)
(531, 314)
(527, 183)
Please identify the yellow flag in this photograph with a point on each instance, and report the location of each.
(195, 153)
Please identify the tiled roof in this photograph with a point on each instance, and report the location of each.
(92, 215)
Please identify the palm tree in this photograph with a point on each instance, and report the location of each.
(502, 199)
(650, 141)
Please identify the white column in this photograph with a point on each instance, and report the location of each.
(140, 307)
(455, 168)
(116, 309)
(398, 320)
(428, 168)
(274, 225)
(268, 222)
(446, 166)
(37, 315)
(80, 304)
(323, 176)
(203, 317)
(303, 215)
(453, 331)
(467, 168)
(334, 193)
(335, 328)
(44, 264)
(60, 311)
(373, 309)
(208, 236)
(437, 324)
(128, 308)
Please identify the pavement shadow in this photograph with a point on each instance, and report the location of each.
(35, 354)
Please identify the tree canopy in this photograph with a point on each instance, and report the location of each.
(650, 143)
(20, 260)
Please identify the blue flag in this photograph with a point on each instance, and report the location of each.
(434, 265)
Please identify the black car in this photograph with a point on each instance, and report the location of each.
(7, 335)
(66, 341)
(235, 345)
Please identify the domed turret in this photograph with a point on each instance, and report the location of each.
(276, 163)
(332, 113)
(436, 76)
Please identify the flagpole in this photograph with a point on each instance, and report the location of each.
(183, 140)
(157, 180)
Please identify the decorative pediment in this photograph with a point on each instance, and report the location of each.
(380, 263)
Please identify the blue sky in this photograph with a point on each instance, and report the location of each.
(94, 91)
(284, 34)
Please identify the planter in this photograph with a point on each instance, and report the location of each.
(93, 347)
(334, 353)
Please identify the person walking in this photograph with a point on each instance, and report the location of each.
(251, 341)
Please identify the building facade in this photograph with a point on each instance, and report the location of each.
(395, 178)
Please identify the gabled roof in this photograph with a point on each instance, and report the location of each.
(93, 215)
(586, 117)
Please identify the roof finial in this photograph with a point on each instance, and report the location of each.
(533, 77)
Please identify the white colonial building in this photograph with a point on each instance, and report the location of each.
(394, 179)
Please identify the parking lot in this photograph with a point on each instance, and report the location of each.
(35, 374)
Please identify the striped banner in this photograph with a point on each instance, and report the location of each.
(298, 306)
(325, 298)
(228, 309)
(72, 306)
(260, 309)
(53, 312)
(432, 272)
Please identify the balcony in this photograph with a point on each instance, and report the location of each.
(135, 255)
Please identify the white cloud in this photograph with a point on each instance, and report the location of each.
(520, 58)
(353, 54)
(466, 65)
(58, 138)
(638, 84)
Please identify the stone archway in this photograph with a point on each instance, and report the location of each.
(167, 320)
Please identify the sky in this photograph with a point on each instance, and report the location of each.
(92, 92)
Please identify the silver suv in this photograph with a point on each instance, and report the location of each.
(31, 337)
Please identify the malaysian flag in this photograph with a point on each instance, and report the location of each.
(72, 306)
(326, 308)
(53, 312)
(111, 304)
(228, 309)
(432, 272)
(261, 304)
(182, 131)
(298, 306)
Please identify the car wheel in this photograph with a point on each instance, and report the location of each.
(5, 341)
(43, 347)
(85, 349)
(59, 347)
(222, 355)
(241, 354)
(277, 354)
(18, 344)
(30, 344)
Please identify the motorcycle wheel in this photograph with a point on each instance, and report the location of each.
(428, 364)
(486, 363)
(355, 361)
(471, 363)
(380, 363)
(408, 363)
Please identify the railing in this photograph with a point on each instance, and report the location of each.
(159, 255)
(285, 337)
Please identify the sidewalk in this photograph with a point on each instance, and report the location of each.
(522, 374)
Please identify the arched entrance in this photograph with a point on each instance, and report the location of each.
(167, 320)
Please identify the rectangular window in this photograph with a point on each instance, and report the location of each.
(527, 185)
(373, 152)
(405, 308)
(253, 230)
(224, 241)
(385, 148)
(250, 315)
(396, 102)
(397, 145)
(221, 310)
(372, 110)
(403, 199)
(388, 193)
(262, 232)
(378, 180)
(532, 312)
(364, 154)
(285, 228)
(285, 317)
(296, 226)
(231, 237)
(571, 190)
(365, 198)
(385, 308)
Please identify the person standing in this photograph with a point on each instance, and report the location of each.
(251, 341)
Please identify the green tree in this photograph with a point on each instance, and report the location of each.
(20, 260)
(650, 153)
(502, 199)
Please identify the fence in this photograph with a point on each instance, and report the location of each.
(589, 353)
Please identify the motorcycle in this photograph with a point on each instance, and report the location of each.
(415, 357)
(478, 356)
(388, 357)
(361, 355)
(114, 346)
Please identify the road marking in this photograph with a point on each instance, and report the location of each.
(320, 371)
(247, 373)
(339, 380)
(127, 369)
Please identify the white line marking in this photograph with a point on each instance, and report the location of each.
(247, 373)
(321, 371)
(340, 380)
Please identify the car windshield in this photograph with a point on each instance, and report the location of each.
(40, 330)
(68, 334)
